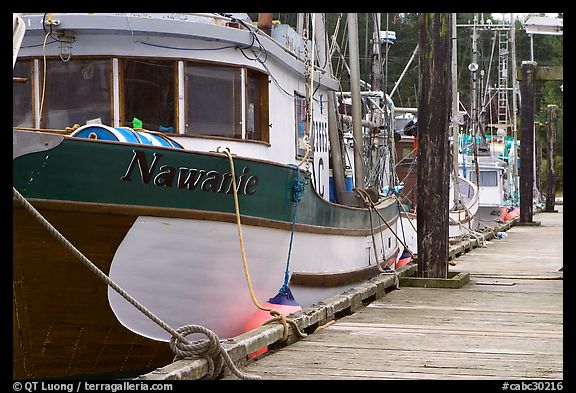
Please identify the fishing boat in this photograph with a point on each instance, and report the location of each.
(497, 200)
(187, 157)
(463, 201)
(463, 194)
(488, 149)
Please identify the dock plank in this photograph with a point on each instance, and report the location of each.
(474, 332)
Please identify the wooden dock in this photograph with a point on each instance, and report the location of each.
(506, 323)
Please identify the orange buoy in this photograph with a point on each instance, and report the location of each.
(513, 212)
(404, 259)
(283, 302)
(506, 214)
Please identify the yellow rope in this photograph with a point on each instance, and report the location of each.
(308, 149)
(276, 315)
(43, 77)
(240, 236)
(73, 128)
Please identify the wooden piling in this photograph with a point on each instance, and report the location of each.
(527, 141)
(434, 104)
(538, 155)
(551, 130)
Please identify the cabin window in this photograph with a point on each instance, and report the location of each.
(256, 106)
(22, 113)
(217, 100)
(76, 91)
(214, 101)
(149, 93)
(487, 178)
(300, 114)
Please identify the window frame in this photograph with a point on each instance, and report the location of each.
(264, 104)
(117, 93)
(175, 81)
(494, 175)
(246, 72)
(241, 105)
(32, 84)
(38, 75)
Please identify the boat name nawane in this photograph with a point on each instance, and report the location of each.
(189, 178)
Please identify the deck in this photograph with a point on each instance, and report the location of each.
(506, 323)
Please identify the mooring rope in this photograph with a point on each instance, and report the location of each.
(210, 349)
(275, 314)
(371, 206)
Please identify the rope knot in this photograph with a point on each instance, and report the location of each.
(298, 187)
(298, 190)
(208, 349)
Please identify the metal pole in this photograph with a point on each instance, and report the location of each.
(404, 72)
(454, 122)
(514, 153)
(376, 55)
(356, 101)
(473, 67)
(300, 23)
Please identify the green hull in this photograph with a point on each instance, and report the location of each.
(136, 175)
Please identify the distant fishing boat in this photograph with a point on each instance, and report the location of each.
(488, 149)
(133, 134)
(463, 194)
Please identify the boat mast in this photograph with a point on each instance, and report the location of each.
(300, 23)
(356, 101)
(473, 67)
(454, 117)
(513, 153)
(376, 55)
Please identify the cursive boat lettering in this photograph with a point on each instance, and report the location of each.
(165, 177)
(140, 159)
(188, 178)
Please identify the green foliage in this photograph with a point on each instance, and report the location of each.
(558, 171)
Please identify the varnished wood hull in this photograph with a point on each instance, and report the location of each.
(63, 325)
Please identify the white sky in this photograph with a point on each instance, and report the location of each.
(521, 16)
